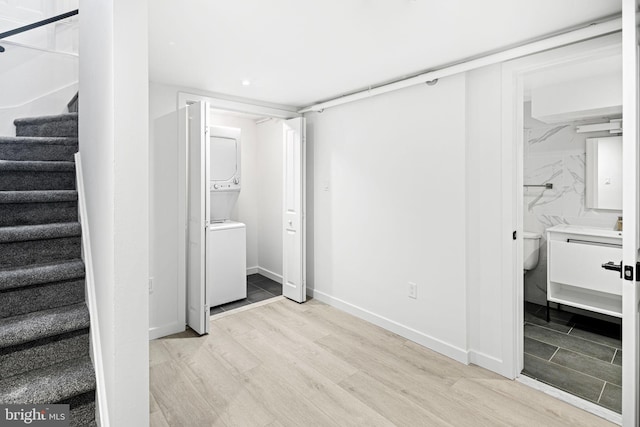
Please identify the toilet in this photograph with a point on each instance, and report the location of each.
(531, 250)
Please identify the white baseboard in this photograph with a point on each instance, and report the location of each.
(163, 331)
(270, 274)
(488, 362)
(427, 341)
(252, 270)
(95, 344)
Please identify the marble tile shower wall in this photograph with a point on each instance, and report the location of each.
(555, 153)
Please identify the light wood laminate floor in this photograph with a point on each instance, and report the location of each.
(289, 364)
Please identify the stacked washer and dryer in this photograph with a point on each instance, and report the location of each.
(226, 240)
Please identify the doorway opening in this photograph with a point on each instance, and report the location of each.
(259, 204)
(265, 188)
(568, 308)
(572, 307)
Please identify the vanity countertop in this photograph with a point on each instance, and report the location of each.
(585, 231)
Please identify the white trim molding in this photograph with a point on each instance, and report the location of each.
(244, 106)
(102, 412)
(425, 340)
(264, 272)
(270, 274)
(164, 330)
(487, 362)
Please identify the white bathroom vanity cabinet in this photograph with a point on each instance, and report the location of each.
(576, 274)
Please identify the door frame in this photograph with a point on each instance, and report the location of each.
(513, 77)
(184, 99)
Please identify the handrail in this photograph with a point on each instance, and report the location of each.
(36, 25)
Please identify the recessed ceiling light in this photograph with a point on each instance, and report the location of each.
(246, 82)
(172, 43)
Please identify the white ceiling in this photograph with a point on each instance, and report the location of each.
(298, 52)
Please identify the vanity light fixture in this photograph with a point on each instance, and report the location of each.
(614, 126)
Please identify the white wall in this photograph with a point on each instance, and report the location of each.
(443, 228)
(414, 194)
(54, 102)
(114, 149)
(484, 217)
(33, 83)
(389, 208)
(270, 169)
(61, 36)
(166, 303)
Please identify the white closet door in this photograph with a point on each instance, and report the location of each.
(198, 200)
(294, 225)
(631, 241)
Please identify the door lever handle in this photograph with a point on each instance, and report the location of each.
(613, 267)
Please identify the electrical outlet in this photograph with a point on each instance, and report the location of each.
(413, 290)
(150, 285)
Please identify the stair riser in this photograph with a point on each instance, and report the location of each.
(83, 409)
(31, 151)
(16, 254)
(57, 128)
(41, 180)
(37, 213)
(52, 383)
(40, 297)
(41, 353)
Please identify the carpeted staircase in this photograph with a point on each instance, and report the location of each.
(44, 321)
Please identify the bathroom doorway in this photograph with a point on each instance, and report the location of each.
(572, 324)
(567, 329)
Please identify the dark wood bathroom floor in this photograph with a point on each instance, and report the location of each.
(578, 354)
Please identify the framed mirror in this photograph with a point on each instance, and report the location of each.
(603, 174)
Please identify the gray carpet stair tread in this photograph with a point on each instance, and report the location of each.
(40, 196)
(45, 119)
(50, 384)
(51, 140)
(83, 409)
(40, 324)
(48, 351)
(23, 233)
(39, 147)
(36, 166)
(41, 273)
